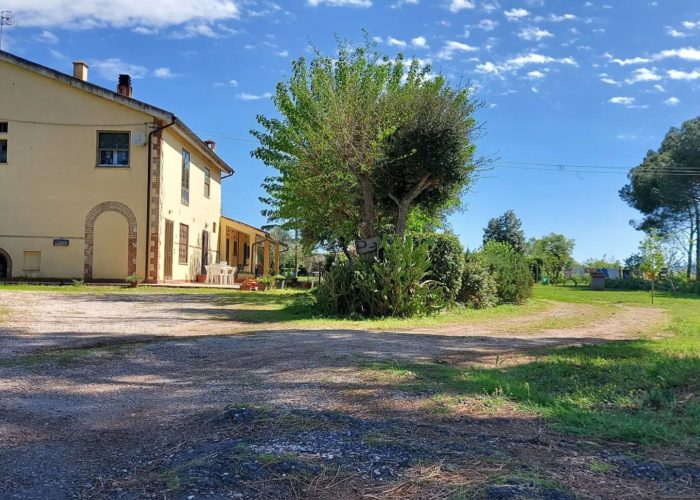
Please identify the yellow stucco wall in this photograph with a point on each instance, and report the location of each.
(200, 214)
(51, 182)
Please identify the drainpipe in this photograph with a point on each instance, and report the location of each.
(148, 191)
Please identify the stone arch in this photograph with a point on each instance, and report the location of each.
(8, 262)
(109, 206)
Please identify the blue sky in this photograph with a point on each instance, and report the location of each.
(593, 84)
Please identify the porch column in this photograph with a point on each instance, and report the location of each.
(266, 258)
(277, 258)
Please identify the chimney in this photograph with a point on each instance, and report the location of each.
(210, 144)
(124, 86)
(80, 70)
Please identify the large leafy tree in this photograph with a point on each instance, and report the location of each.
(363, 142)
(428, 160)
(665, 188)
(508, 229)
(554, 253)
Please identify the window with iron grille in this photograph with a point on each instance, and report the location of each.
(184, 244)
(185, 177)
(207, 182)
(113, 149)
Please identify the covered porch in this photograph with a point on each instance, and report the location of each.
(252, 250)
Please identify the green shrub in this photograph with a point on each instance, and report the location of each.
(478, 285)
(446, 263)
(628, 284)
(396, 284)
(510, 271)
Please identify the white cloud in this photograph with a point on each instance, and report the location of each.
(564, 17)
(111, 68)
(233, 83)
(534, 34)
(659, 88)
(163, 73)
(672, 101)
(515, 14)
(457, 5)
(691, 25)
(46, 37)
(643, 75)
(487, 24)
(535, 74)
(535, 90)
(420, 42)
(491, 6)
(282, 53)
(516, 63)
(605, 78)
(400, 3)
(340, 3)
(451, 47)
(625, 101)
(673, 32)
(71, 14)
(394, 42)
(675, 74)
(685, 54)
(244, 96)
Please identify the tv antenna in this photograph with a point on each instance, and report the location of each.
(5, 20)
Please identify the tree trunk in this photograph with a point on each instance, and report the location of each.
(697, 244)
(691, 242)
(402, 217)
(367, 206)
(404, 204)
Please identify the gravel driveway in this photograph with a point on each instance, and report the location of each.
(158, 397)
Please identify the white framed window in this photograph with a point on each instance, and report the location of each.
(207, 182)
(113, 149)
(185, 192)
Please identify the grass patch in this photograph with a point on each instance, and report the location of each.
(644, 391)
(70, 357)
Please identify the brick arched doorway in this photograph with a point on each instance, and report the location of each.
(109, 206)
(5, 265)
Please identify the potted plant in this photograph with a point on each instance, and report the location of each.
(280, 280)
(201, 278)
(133, 280)
(265, 282)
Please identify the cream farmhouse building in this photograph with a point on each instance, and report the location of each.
(97, 185)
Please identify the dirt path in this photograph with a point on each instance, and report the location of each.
(45, 321)
(276, 413)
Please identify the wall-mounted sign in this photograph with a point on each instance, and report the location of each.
(61, 242)
(366, 246)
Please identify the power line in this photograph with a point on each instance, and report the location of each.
(569, 170)
(223, 135)
(669, 170)
(64, 124)
(562, 166)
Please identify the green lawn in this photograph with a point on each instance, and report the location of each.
(645, 391)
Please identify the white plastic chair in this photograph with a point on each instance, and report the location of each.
(230, 275)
